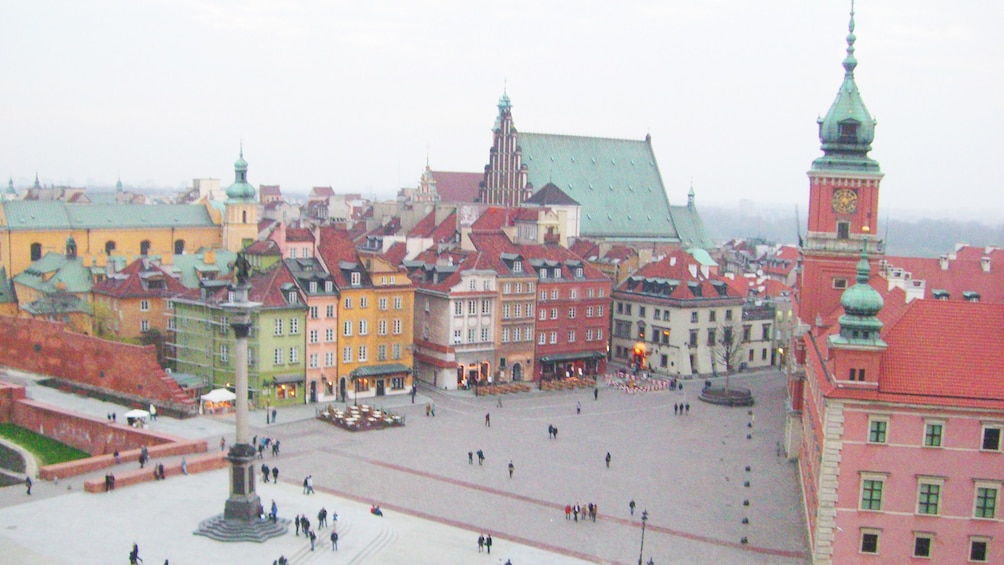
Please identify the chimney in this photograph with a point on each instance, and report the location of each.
(985, 263)
(943, 262)
(209, 257)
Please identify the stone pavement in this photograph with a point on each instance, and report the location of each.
(687, 471)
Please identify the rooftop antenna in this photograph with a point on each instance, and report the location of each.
(885, 236)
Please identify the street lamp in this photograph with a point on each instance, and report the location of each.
(645, 519)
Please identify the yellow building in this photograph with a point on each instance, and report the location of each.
(131, 303)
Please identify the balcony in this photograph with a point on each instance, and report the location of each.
(830, 243)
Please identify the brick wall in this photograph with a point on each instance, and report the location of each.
(47, 348)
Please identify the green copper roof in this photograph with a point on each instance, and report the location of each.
(848, 129)
(187, 267)
(860, 324)
(240, 190)
(616, 181)
(51, 214)
(55, 273)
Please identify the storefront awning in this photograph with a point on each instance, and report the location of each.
(379, 370)
(287, 379)
(558, 357)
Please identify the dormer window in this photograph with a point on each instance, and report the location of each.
(313, 287)
(557, 272)
(578, 272)
(292, 298)
(848, 131)
(356, 279)
(971, 296)
(328, 286)
(940, 294)
(517, 266)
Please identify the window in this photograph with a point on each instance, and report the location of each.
(363, 354)
(292, 297)
(381, 327)
(396, 351)
(712, 315)
(932, 433)
(554, 337)
(542, 338)
(382, 303)
(329, 358)
(347, 328)
(571, 336)
(991, 438)
(711, 336)
(693, 317)
(986, 500)
(554, 294)
(599, 335)
(458, 308)
(314, 336)
(329, 286)
(484, 334)
(839, 283)
(398, 303)
(294, 354)
(922, 544)
(313, 360)
(456, 336)
(590, 292)
(518, 310)
(313, 311)
(277, 356)
(599, 311)
(620, 307)
(589, 311)
(329, 334)
(144, 305)
(728, 315)
(554, 313)
(397, 326)
(877, 430)
(348, 303)
(505, 335)
(472, 307)
(978, 549)
(329, 312)
(347, 354)
(929, 496)
(517, 266)
(543, 313)
(869, 541)
(364, 327)
(471, 334)
(364, 302)
(765, 332)
(543, 295)
(507, 288)
(144, 325)
(397, 383)
(747, 330)
(278, 327)
(692, 342)
(357, 279)
(485, 307)
(589, 335)
(573, 293)
(843, 230)
(382, 352)
(871, 491)
(294, 326)
(224, 353)
(571, 313)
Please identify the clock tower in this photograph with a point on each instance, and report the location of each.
(843, 199)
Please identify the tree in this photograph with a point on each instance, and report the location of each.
(726, 347)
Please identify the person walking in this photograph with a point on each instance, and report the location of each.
(322, 518)
(481, 543)
(275, 475)
(184, 466)
(334, 541)
(578, 408)
(134, 557)
(631, 506)
(499, 403)
(265, 471)
(297, 520)
(488, 419)
(488, 544)
(223, 443)
(27, 483)
(470, 457)
(688, 408)
(511, 469)
(481, 457)
(676, 408)
(274, 513)
(153, 413)
(568, 511)
(313, 538)
(274, 413)
(428, 409)
(414, 390)
(608, 460)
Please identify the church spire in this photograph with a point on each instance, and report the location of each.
(848, 129)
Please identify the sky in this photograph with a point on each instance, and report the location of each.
(357, 95)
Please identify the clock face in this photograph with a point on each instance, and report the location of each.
(845, 201)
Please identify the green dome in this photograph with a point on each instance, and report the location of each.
(848, 129)
(861, 299)
(240, 190)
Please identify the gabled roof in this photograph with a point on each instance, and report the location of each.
(321, 192)
(616, 181)
(269, 190)
(50, 214)
(270, 288)
(54, 272)
(396, 253)
(337, 251)
(140, 278)
(964, 273)
(679, 276)
(551, 195)
(585, 248)
(299, 234)
(445, 231)
(457, 187)
(189, 268)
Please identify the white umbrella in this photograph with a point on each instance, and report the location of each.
(219, 395)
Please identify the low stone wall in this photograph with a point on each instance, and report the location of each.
(199, 464)
(82, 466)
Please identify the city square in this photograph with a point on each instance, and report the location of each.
(687, 471)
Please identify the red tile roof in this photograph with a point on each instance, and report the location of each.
(457, 187)
(299, 234)
(134, 281)
(396, 253)
(678, 266)
(964, 273)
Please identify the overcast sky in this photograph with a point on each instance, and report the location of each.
(355, 94)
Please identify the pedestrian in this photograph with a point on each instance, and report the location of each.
(118, 458)
(114, 417)
(676, 408)
(481, 457)
(322, 518)
(688, 408)
(428, 409)
(273, 415)
(481, 543)
(313, 538)
(596, 393)
(310, 484)
(578, 408)
(160, 469)
(184, 466)
(261, 451)
(304, 485)
(488, 419)
(555, 432)
(134, 557)
(334, 541)
(265, 472)
(631, 506)
(275, 450)
(223, 443)
(27, 483)
(511, 469)
(470, 457)
(499, 403)
(568, 511)
(488, 544)
(142, 460)
(433, 410)
(414, 390)
(274, 513)
(550, 431)
(153, 412)
(575, 512)
(608, 460)
(275, 475)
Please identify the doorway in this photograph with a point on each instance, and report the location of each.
(313, 391)
(380, 387)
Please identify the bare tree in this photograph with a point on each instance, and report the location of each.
(726, 347)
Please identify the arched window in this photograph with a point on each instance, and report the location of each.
(109, 247)
(144, 247)
(244, 216)
(36, 251)
(179, 246)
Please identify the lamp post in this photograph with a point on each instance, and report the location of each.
(644, 520)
